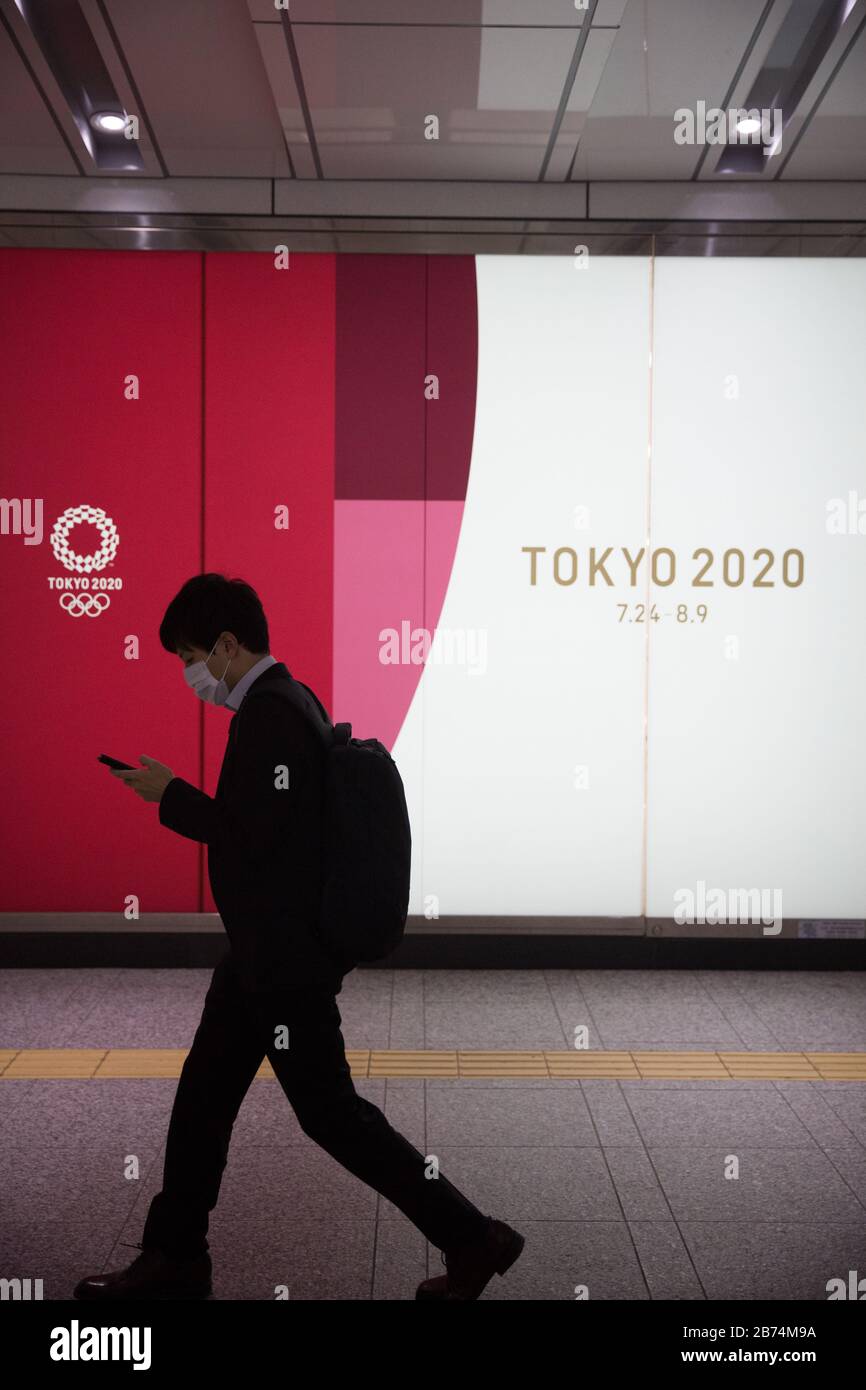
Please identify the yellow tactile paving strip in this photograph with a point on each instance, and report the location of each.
(141, 1063)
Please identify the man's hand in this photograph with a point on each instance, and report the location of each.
(150, 782)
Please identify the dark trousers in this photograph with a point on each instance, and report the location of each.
(237, 1030)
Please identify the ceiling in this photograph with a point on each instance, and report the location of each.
(509, 116)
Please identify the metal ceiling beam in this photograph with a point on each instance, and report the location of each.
(372, 200)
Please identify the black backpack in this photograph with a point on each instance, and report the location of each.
(367, 839)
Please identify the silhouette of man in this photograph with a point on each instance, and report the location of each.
(275, 984)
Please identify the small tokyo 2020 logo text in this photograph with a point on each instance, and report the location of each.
(84, 593)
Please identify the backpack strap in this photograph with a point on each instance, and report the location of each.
(338, 733)
(307, 702)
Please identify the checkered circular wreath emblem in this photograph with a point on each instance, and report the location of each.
(85, 603)
(69, 558)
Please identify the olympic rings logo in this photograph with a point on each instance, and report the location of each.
(84, 564)
(77, 605)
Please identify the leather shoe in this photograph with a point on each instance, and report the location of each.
(471, 1267)
(153, 1275)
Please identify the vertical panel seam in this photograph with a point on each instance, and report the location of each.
(648, 542)
(424, 560)
(201, 729)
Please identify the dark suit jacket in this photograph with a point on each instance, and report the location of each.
(264, 841)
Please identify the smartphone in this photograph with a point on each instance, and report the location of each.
(118, 766)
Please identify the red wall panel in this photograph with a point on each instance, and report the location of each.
(269, 442)
(76, 324)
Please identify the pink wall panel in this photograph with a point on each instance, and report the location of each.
(378, 584)
(380, 477)
(76, 323)
(401, 469)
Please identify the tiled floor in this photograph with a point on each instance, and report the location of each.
(620, 1183)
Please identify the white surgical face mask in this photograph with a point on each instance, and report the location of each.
(206, 686)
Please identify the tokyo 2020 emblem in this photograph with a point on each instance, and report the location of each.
(85, 596)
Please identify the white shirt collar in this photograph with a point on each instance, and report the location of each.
(239, 691)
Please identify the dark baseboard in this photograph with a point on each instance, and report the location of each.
(196, 940)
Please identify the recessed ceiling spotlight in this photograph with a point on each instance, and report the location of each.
(109, 121)
(748, 125)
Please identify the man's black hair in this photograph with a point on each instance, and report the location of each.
(209, 604)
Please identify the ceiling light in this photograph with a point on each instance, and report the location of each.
(748, 125)
(109, 121)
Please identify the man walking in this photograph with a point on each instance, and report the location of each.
(275, 982)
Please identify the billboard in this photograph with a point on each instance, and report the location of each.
(583, 542)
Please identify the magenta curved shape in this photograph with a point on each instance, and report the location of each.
(401, 470)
